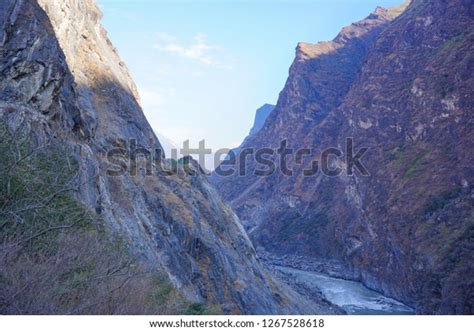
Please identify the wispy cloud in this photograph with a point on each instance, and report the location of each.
(165, 37)
(199, 50)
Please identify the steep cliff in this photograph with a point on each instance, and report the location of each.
(405, 94)
(319, 79)
(62, 78)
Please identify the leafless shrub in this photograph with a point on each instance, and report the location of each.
(56, 257)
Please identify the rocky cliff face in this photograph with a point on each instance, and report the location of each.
(402, 89)
(62, 78)
(319, 79)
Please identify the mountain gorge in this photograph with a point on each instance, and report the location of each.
(399, 83)
(62, 81)
(90, 207)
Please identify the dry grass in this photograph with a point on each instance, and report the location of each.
(57, 257)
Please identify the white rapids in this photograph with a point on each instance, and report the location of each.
(353, 297)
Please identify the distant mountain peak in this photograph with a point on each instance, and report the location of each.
(260, 117)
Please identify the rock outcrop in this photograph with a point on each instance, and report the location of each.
(320, 77)
(401, 87)
(61, 77)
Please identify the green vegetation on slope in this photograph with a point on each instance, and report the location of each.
(56, 257)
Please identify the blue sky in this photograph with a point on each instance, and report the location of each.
(204, 67)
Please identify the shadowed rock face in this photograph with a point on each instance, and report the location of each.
(404, 90)
(61, 76)
(319, 79)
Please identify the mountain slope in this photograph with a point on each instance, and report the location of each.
(63, 79)
(319, 79)
(407, 228)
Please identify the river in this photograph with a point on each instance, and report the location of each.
(351, 296)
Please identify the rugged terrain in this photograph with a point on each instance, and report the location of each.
(400, 86)
(62, 79)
